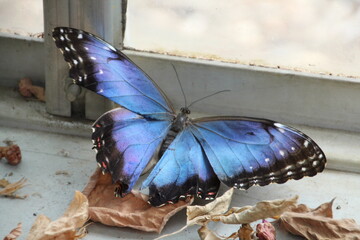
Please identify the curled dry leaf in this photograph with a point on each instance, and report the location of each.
(318, 223)
(262, 210)
(200, 214)
(15, 233)
(4, 182)
(12, 153)
(206, 234)
(27, 89)
(265, 231)
(64, 228)
(11, 188)
(245, 232)
(133, 210)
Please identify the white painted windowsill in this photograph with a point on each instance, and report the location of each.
(50, 144)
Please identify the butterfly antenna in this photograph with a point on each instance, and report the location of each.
(182, 90)
(208, 96)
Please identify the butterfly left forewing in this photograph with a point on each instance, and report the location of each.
(99, 67)
(248, 151)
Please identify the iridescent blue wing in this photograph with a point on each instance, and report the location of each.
(127, 138)
(248, 151)
(125, 142)
(98, 66)
(182, 170)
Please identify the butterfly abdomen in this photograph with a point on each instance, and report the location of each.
(177, 126)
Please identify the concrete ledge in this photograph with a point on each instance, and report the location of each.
(341, 147)
(19, 112)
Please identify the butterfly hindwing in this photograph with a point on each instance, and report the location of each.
(125, 143)
(247, 151)
(183, 170)
(98, 66)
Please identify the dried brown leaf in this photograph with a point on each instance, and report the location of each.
(243, 215)
(15, 233)
(11, 188)
(133, 210)
(26, 89)
(64, 228)
(265, 231)
(4, 182)
(318, 223)
(206, 234)
(245, 232)
(201, 214)
(262, 210)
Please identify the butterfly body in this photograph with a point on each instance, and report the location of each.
(179, 123)
(195, 154)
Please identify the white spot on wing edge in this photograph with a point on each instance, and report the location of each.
(93, 58)
(61, 30)
(282, 153)
(280, 127)
(80, 36)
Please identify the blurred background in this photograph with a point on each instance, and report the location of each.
(320, 36)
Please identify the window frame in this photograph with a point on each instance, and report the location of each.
(283, 95)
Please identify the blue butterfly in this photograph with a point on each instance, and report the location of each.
(195, 154)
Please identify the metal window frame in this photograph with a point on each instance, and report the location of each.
(102, 18)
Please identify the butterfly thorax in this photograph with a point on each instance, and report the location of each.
(179, 123)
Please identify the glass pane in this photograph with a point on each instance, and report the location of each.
(306, 35)
(23, 17)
